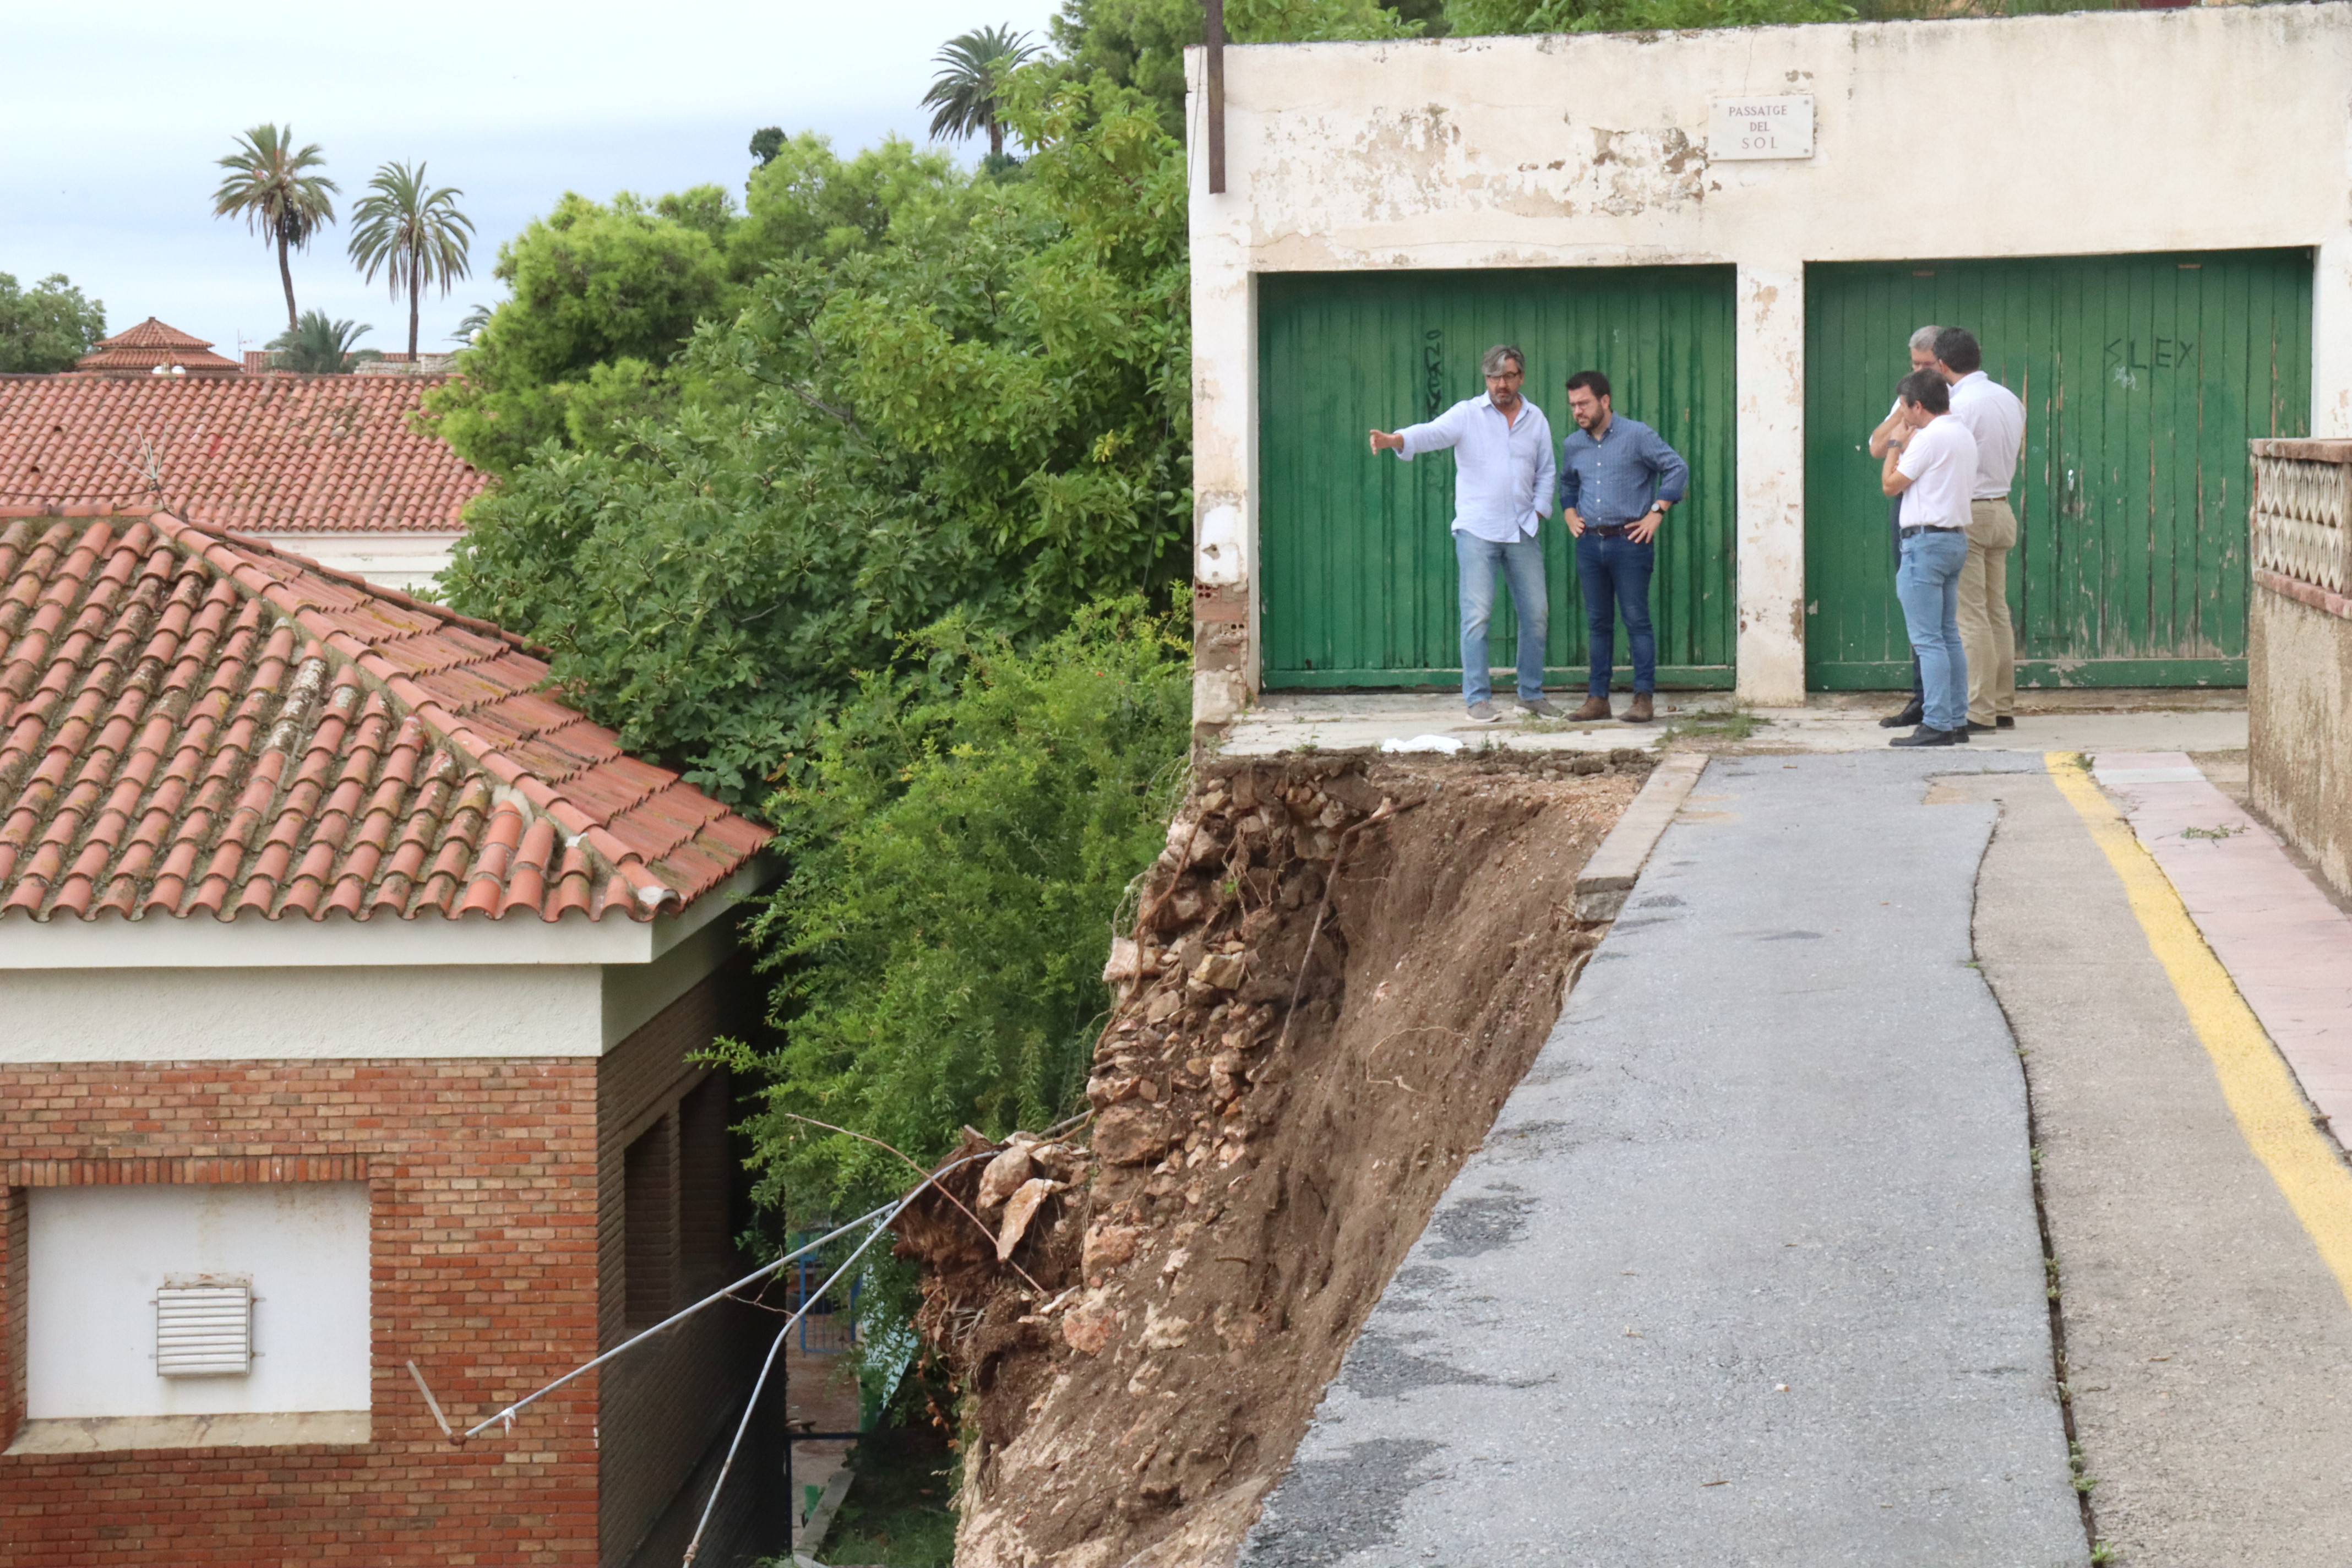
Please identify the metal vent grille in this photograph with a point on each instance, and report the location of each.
(204, 1331)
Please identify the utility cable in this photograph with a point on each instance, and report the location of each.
(753, 1404)
(759, 1273)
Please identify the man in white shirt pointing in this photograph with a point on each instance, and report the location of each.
(1503, 480)
(1996, 418)
(1932, 467)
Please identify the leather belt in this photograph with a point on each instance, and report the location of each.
(1606, 527)
(1932, 527)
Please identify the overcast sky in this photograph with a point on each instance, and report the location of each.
(116, 111)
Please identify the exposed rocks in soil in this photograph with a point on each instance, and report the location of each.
(1340, 968)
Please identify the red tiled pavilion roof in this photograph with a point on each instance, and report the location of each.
(153, 343)
(270, 454)
(193, 723)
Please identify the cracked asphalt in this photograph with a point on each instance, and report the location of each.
(1749, 1271)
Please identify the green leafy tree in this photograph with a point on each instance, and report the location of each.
(809, 204)
(708, 208)
(1140, 43)
(964, 97)
(271, 185)
(960, 841)
(412, 233)
(47, 327)
(980, 399)
(766, 142)
(590, 284)
(1475, 17)
(318, 346)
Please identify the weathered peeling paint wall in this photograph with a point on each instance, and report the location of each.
(2085, 135)
(2299, 685)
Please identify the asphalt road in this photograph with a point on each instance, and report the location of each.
(2209, 1350)
(1749, 1269)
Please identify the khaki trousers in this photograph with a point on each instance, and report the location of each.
(1985, 630)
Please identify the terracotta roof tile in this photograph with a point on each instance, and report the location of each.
(153, 343)
(193, 724)
(266, 454)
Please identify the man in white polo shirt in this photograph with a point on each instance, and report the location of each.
(1932, 466)
(1997, 419)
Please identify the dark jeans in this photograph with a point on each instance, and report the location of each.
(1616, 575)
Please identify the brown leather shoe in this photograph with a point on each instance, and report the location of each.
(1640, 712)
(1594, 707)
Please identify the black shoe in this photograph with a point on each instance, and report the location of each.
(1925, 736)
(1905, 720)
(2004, 721)
(1977, 729)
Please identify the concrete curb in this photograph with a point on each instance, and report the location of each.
(1608, 876)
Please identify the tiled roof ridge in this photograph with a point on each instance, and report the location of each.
(410, 378)
(247, 541)
(153, 332)
(264, 735)
(531, 797)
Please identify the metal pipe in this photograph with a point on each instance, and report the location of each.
(1212, 40)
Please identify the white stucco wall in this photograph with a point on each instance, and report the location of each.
(406, 561)
(2086, 134)
(96, 1256)
(227, 1015)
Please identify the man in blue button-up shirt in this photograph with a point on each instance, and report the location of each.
(1618, 478)
(1502, 477)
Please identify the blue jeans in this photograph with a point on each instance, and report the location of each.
(1616, 573)
(1522, 561)
(1929, 587)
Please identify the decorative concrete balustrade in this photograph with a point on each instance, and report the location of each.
(2299, 664)
(2302, 517)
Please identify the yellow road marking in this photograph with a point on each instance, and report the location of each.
(2261, 1092)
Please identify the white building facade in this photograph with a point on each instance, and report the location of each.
(2165, 143)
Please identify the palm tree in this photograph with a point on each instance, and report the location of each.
(317, 346)
(268, 187)
(415, 234)
(964, 94)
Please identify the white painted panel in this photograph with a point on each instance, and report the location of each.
(97, 1256)
(1748, 129)
(303, 1014)
(634, 993)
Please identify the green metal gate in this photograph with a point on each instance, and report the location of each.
(1359, 575)
(2142, 376)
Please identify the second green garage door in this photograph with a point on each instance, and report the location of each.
(2143, 376)
(1358, 572)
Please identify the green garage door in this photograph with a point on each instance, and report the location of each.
(1358, 572)
(2142, 376)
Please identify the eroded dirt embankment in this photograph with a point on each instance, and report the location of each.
(1341, 969)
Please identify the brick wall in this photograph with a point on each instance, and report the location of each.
(13, 1218)
(482, 1177)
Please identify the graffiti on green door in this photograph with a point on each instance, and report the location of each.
(2143, 376)
(1359, 569)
